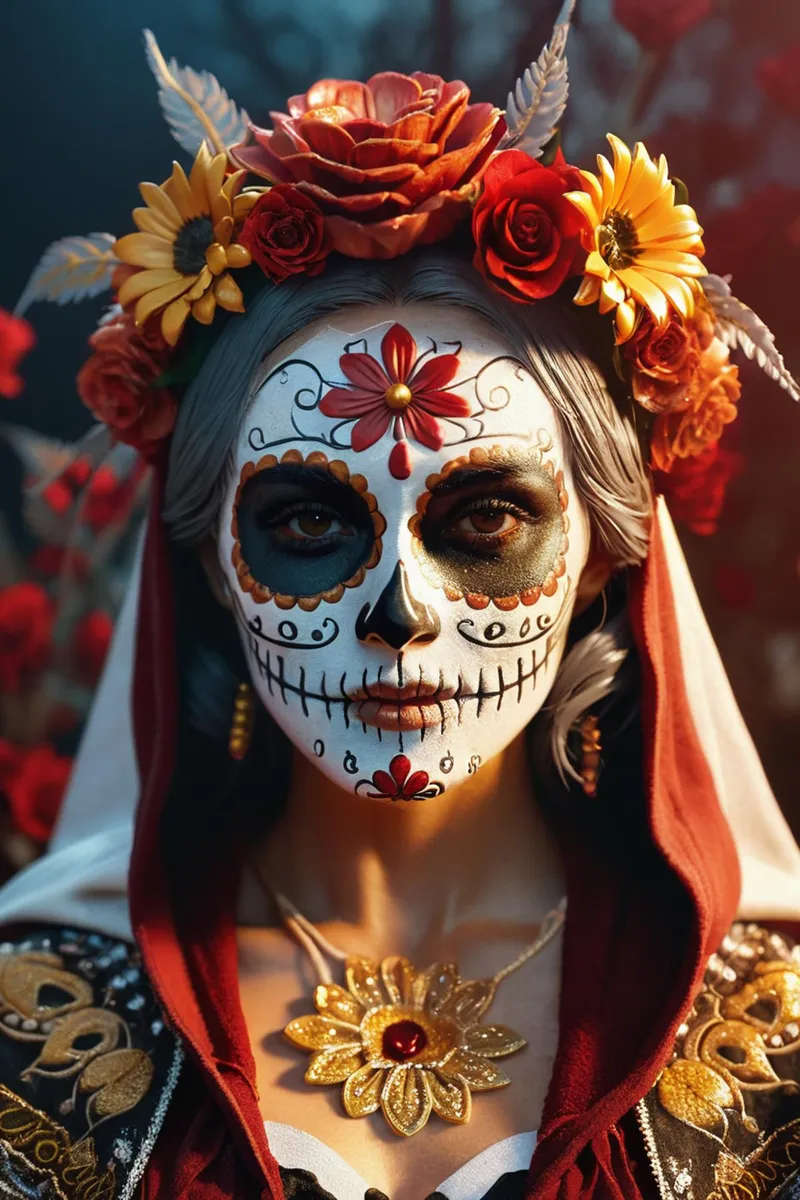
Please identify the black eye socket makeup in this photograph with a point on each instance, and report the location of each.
(302, 530)
(495, 528)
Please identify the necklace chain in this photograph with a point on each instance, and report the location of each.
(317, 945)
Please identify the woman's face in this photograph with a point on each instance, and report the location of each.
(402, 540)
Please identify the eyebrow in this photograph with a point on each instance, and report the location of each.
(497, 473)
(297, 473)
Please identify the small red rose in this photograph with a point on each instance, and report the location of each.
(16, 339)
(664, 360)
(117, 384)
(527, 236)
(286, 235)
(26, 624)
(35, 790)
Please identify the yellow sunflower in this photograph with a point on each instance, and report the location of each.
(644, 249)
(184, 245)
(408, 1042)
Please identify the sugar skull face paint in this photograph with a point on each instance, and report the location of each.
(403, 611)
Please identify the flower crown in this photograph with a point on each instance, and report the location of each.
(371, 170)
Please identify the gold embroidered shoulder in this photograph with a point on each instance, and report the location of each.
(723, 1120)
(87, 1067)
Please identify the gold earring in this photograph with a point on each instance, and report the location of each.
(242, 724)
(590, 754)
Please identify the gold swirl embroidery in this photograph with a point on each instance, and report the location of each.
(747, 1015)
(769, 1165)
(47, 1147)
(76, 1039)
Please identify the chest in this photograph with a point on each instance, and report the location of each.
(276, 987)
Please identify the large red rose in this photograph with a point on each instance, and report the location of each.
(16, 339)
(116, 383)
(26, 624)
(657, 24)
(285, 233)
(35, 789)
(527, 236)
(388, 161)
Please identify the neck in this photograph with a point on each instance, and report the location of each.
(413, 873)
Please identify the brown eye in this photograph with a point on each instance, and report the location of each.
(488, 523)
(313, 524)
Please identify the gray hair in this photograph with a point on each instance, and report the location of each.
(559, 345)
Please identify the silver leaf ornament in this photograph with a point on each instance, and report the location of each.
(71, 269)
(536, 105)
(196, 107)
(739, 328)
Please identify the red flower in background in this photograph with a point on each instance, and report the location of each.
(117, 382)
(779, 76)
(527, 236)
(52, 561)
(90, 644)
(406, 392)
(108, 498)
(695, 487)
(758, 244)
(34, 781)
(16, 339)
(657, 24)
(26, 624)
(285, 233)
(387, 161)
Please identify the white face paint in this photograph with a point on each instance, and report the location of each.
(403, 541)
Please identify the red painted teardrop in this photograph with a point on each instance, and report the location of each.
(403, 1040)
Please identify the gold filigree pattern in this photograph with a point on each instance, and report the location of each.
(747, 1013)
(339, 470)
(76, 1039)
(406, 1042)
(48, 1149)
(723, 1120)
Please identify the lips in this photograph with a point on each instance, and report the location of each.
(416, 705)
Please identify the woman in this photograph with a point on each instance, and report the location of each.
(416, 656)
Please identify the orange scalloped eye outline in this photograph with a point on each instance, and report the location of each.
(481, 456)
(340, 471)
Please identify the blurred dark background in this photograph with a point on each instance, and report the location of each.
(715, 84)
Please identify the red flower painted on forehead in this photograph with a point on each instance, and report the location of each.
(406, 393)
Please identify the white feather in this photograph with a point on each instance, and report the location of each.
(196, 107)
(536, 105)
(71, 269)
(739, 327)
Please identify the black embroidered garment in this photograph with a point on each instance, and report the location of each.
(303, 1185)
(87, 1067)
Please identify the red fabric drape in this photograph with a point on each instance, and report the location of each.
(636, 940)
